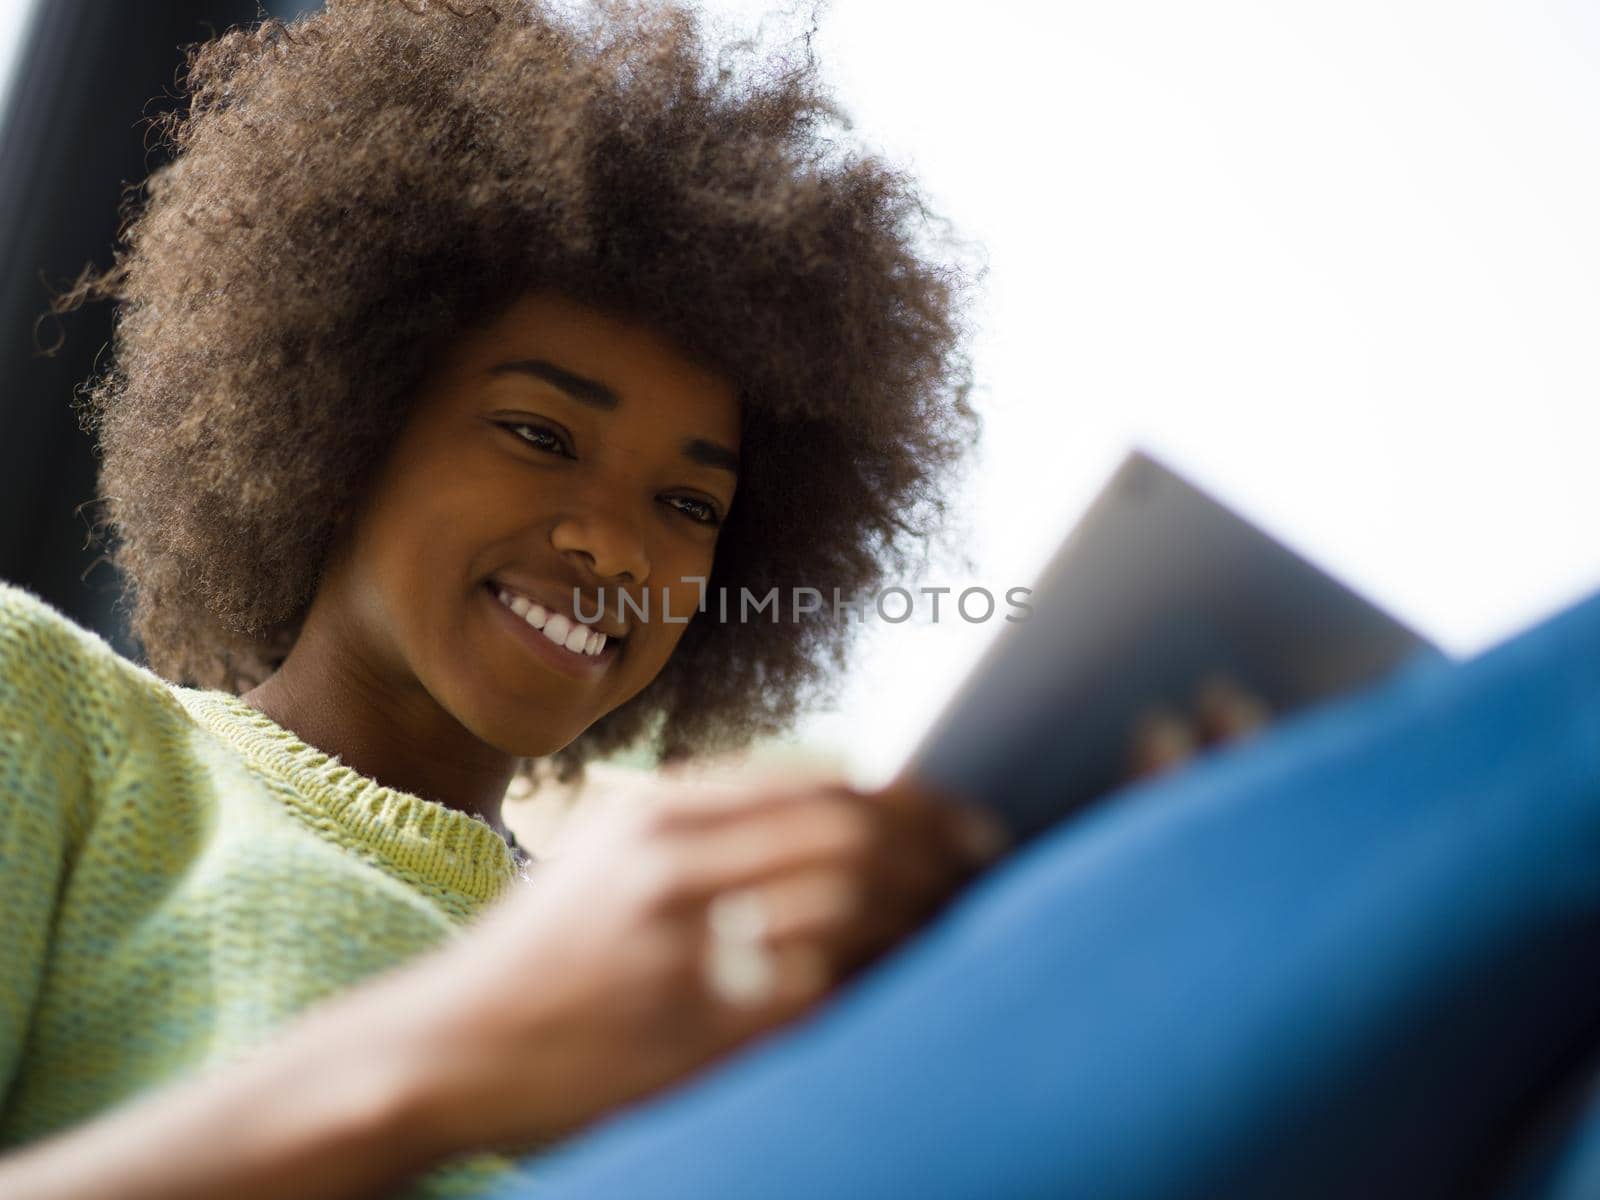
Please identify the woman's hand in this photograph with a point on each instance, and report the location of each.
(1223, 711)
(589, 989)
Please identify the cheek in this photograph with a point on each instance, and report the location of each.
(682, 600)
(443, 516)
(415, 556)
(685, 580)
(648, 651)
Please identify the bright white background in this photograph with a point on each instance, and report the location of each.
(13, 18)
(1338, 263)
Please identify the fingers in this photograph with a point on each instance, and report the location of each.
(1161, 740)
(1223, 711)
(750, 992)
(904, 846)
(798, 894)
(845, 918)
(766, 840)
(838, 876)
(807, 903)
(973, 835)
(772, 950)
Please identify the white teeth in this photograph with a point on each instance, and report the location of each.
(559, 628)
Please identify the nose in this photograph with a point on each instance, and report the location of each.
(607, 545)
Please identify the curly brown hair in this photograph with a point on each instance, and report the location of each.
(350, 191)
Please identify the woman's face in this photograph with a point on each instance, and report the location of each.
(556, 449)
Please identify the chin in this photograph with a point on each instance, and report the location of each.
(528, 737)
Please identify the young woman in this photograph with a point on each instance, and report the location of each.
(444, 324)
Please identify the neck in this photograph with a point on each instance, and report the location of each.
(397, 735)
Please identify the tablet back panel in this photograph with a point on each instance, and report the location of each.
(1157, 589)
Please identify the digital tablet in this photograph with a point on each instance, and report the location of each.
(1157, 589)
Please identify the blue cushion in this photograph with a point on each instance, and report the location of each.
(1560, 1158)
(1346, 959)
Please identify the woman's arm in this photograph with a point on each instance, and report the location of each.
(326, 1110)
(570, 999)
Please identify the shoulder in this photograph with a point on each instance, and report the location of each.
(69, 707)
(54, 673)
(29, 622)
(42, 650)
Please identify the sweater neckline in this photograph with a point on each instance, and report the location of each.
(419, 840)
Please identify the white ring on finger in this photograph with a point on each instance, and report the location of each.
(739, 967)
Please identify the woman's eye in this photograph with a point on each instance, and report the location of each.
(537, 436)
(696, 510)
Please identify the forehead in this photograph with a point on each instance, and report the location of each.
(648, 374)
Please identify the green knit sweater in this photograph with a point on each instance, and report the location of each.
(179, 875)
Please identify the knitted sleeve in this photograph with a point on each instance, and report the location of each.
(46, 693)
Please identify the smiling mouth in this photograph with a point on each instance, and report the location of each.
(558, 629)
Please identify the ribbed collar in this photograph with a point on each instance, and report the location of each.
(419, 841)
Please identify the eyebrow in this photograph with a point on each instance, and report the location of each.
(597, 395)
(586, 391)
(711, 454)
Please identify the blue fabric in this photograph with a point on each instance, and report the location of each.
(1348, 959)
(1561, 1160)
